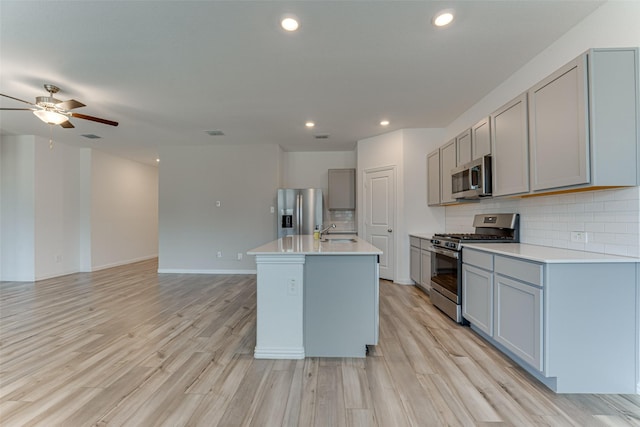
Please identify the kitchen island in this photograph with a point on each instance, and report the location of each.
(316, 297)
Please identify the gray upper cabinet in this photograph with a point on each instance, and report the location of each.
(583, 122)
(342, 189)
(447, 162)
(433, 178)
(558, 128)
(463, 148)
(481, 139)
(510, 148)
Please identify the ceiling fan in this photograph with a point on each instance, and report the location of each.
(55, 112)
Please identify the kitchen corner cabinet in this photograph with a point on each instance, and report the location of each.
(583, 122)
(557, 319)
(433, 178)
(448, 155)
(463, 147)
(342, 189)
(510, 148)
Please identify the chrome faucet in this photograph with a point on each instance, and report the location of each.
(324, 230)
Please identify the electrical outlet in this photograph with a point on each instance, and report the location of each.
(292, 288)
(579, 236)
(218, 204)
(219, 254)
(239, 256)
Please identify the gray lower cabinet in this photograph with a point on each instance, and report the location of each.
(414, 260)
(518, 319)
(425, 268)
(420, 262)
(477, 301)
(572, 325)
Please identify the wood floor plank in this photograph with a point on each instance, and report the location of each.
(128, 346)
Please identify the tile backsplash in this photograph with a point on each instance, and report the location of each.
(343, 219)
(609, 218)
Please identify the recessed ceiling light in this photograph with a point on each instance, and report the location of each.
(443, 18)
(289, 23)
(309, 124)
(157, 160)
(384, 123)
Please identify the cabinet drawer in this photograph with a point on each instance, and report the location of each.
(525, 271)
(414, 241)
(425, 244)
(477, 258)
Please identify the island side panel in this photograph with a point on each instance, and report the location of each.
(341, 304)
(590, 323)
(279, 329)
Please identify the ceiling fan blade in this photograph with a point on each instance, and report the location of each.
(19, 109)
(70, 104)
(17, 99)
(94, 119)
(67, 125)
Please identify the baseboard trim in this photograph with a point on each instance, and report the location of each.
(198, 271)
(124, 262)
(279, 353)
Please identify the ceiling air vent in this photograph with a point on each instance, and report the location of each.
(91, 136)
(321, 136)
(214, 132)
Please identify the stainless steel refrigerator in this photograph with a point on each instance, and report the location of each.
(299, 211)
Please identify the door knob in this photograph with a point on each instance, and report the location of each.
(389, 230)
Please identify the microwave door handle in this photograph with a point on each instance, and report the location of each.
(474, 173)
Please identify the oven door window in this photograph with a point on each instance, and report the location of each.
(445, 272)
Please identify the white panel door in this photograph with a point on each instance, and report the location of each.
(379, 207)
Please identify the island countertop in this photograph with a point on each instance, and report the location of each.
(307, 245)
(548, 255)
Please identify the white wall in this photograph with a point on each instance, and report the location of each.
(18, 194)
(611, 216)
(57, 214)
(309, 169)
(406, 150)
(192, 229)
(70, 209)
(124, 211)
(615, 24)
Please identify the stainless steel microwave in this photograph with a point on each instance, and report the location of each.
(472, 180)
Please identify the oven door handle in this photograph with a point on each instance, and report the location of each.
(445, 252)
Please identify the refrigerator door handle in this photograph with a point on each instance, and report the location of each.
(298, 213)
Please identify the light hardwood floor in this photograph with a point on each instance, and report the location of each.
(127, 346)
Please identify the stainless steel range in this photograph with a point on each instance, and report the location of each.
(446, 257)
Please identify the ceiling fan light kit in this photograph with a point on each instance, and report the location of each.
(51, 117)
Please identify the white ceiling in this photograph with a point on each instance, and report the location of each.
(170, 70)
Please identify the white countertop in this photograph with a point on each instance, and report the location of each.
(548, 255)
(307, 245)
(422, 236)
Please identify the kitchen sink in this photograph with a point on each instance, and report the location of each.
(338, 240)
